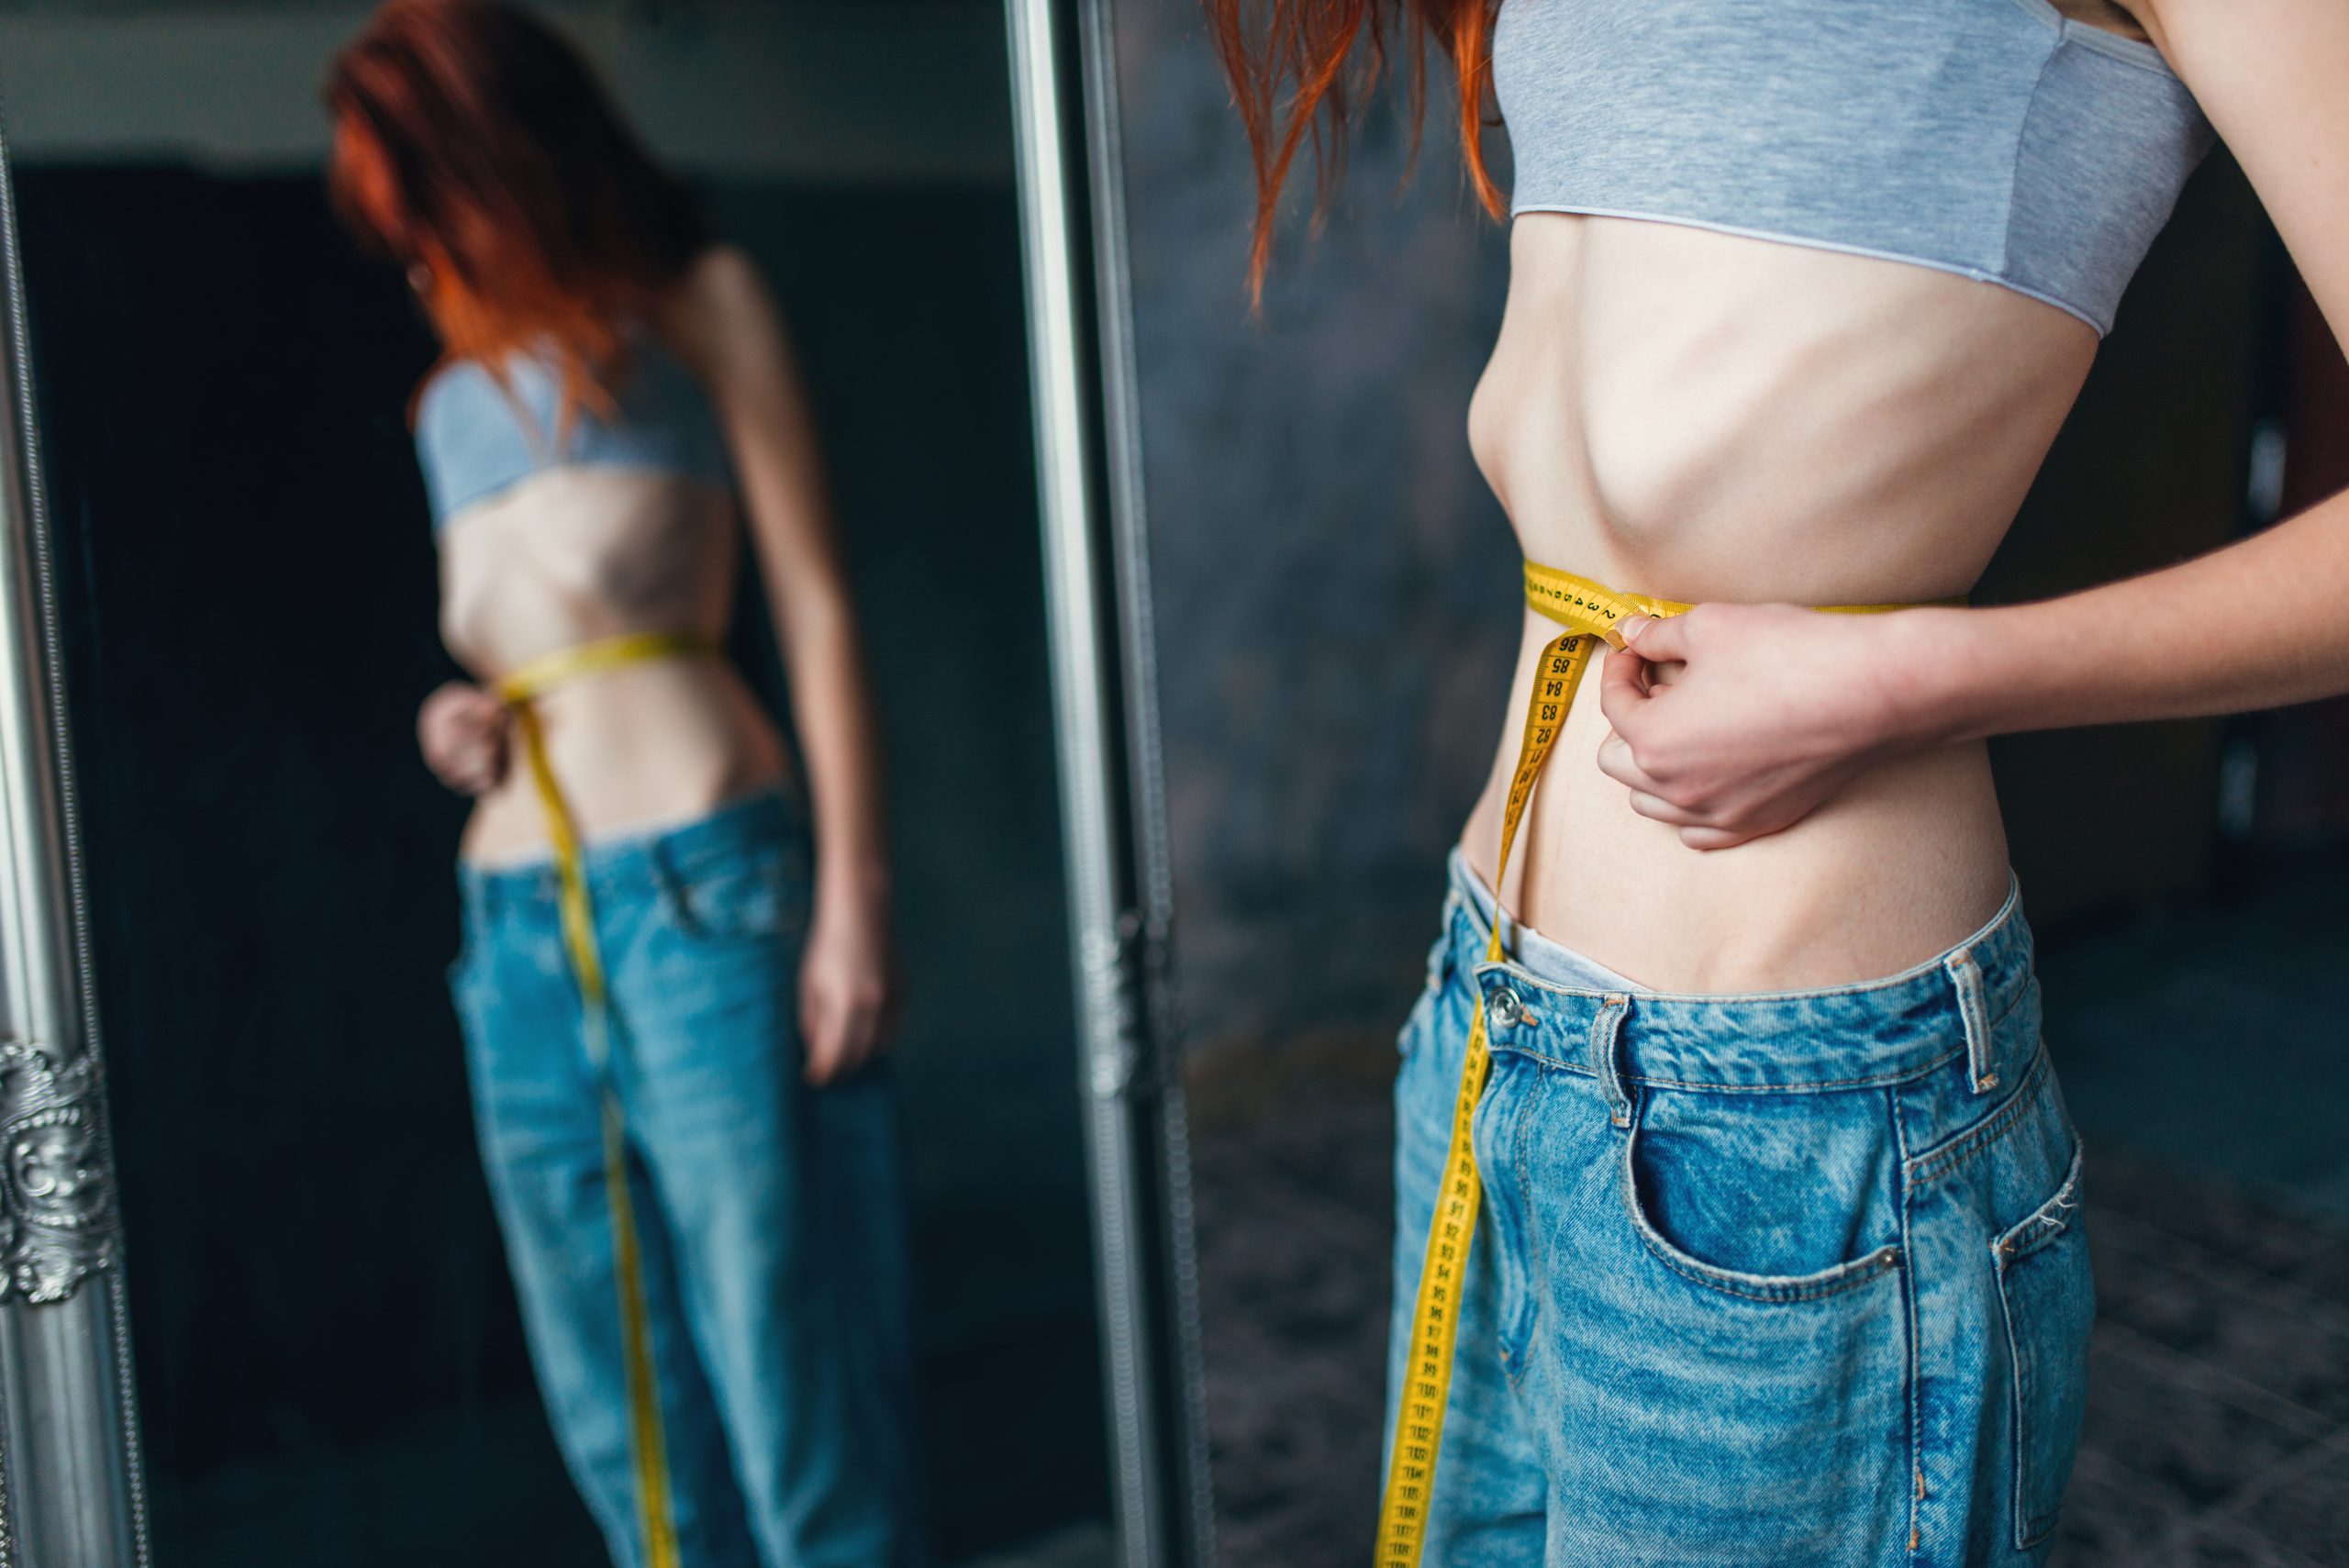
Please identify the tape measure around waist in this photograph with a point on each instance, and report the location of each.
(648, 1445)
(1588, 611)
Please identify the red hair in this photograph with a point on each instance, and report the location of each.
(473, 142)
(1299, 67)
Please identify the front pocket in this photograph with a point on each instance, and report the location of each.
(1770, 1197)
(754, 896)
(2049, 1302)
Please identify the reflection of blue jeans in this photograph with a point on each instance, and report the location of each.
(1795, 1280)
(773, 1234)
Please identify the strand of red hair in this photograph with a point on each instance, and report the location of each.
(1300, 68)
(474, 146)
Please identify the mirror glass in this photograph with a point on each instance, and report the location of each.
(359, 1089)
(1336, 588)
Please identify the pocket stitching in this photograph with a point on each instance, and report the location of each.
(685, 898)
(2004, 1255)
(1517, 1358)
(1835, 1280)
(1985, 1134)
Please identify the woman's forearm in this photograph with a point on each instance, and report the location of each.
(838, 739)
(2259, 624)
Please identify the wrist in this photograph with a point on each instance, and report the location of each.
(1937, 678)
(853, 883)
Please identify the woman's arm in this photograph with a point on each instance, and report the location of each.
(1775, 709)
(740, 345)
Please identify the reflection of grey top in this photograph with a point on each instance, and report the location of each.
(475, 437)
(1993, 139)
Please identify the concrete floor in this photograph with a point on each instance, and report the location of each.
(2205, 1055)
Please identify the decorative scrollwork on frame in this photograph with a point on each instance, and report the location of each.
(58, 1222)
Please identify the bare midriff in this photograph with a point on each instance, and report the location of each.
(577, 554)
(1706, 417)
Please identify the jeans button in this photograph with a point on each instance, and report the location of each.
(1505, 1006)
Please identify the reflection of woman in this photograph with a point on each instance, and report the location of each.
(616, 393)
(1776, 1254)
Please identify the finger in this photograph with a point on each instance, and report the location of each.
(1708, 838)
(1658, 640)
(861, 1037)
(823, 1061)
(1615, 759)
(453, 771)
(1662, 810)
(479, 720)
(1622, 686)
(1628, 630)
(819, 1028)
(477, 765)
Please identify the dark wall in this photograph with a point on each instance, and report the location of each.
(1336, 586)
(250, 602)
(1338, 600)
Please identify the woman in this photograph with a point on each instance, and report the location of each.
(1776, 1254)
(672, 1000)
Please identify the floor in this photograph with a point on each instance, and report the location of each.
(2218, 1211)
(357, 1509)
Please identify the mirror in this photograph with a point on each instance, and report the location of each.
(384, 1127)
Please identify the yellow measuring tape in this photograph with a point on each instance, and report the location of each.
(519, 691)
(1588, 611)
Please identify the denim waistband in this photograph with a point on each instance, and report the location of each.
(643, 862)
(1872, 1031)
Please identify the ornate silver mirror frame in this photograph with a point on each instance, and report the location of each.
(1088, 464)
(70, 1485)
(71, 1493)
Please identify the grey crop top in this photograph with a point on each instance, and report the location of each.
(1994, 139)
(475, 437)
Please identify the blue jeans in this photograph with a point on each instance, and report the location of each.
(771, 1225)
(1793, 1279)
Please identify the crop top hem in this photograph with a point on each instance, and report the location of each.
(2071, 29)
(1959, 268)
(474, 502)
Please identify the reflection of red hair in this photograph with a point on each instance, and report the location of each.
(473, 142)
(1299, 51)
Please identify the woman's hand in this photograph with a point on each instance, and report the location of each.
(1733, 721)
(461, 730)
(847, 984)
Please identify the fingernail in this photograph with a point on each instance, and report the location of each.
(1630, 627)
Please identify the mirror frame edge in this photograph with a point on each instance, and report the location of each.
(1088, 463)
(72, 1491)
(68, 1406)
(1174, 1235)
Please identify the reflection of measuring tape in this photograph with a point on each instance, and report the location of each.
(1589, 612)
(518, 691)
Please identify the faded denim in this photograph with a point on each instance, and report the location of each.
(769, 1210)
(1793, 1279)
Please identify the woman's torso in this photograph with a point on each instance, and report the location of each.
(1699, 414)
(629, 524)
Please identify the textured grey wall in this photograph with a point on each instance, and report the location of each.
(1336, 586)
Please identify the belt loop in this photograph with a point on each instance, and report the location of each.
(1965, 976)
(1606, 1028)
(670, 880)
